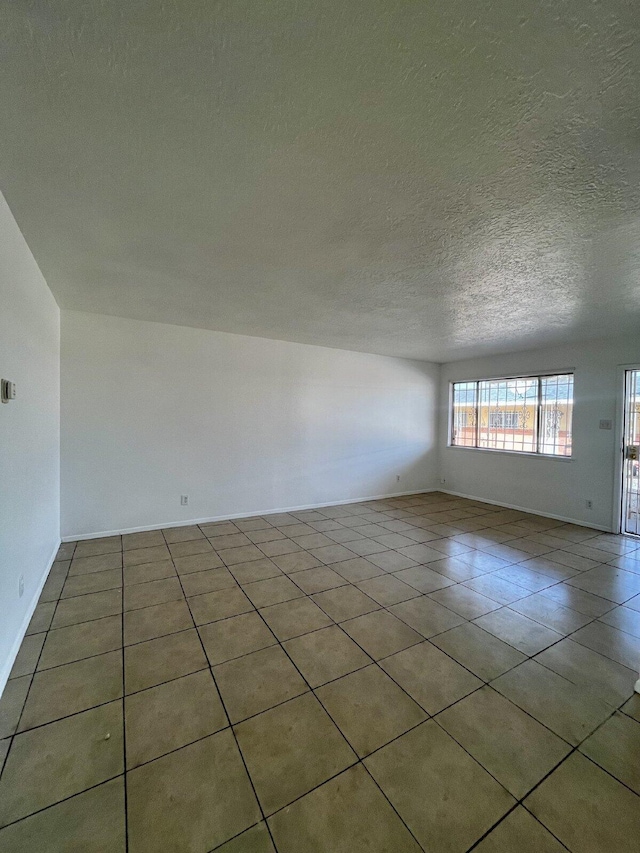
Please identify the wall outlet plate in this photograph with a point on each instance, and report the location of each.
(184, 500)
(7, 390)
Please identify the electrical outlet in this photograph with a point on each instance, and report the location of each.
(184, 500)
(588, 504)
(397, 478)
(7, 390)
(21, 586)
(442, 481)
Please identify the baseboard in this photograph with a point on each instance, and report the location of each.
(15, 648)
(81, 536)
(529, 510)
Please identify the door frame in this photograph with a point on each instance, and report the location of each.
(619, 426)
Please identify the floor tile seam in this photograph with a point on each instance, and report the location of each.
(226, 713)
(571, 636)
(59, 802)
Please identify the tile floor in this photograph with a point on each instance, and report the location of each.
(419, 673)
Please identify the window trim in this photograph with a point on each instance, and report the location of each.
(530, 453)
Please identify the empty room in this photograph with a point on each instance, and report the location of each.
(320, 426)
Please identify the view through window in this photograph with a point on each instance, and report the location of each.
(528, 414)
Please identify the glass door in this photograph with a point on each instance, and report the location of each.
(631, 457)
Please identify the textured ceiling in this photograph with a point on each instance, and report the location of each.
(426, 178)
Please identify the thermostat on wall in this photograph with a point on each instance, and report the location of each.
(8, 390)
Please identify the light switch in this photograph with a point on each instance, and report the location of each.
(606, 424)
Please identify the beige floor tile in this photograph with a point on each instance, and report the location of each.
(587, 809)
(426, 616)
(432, 678)
(394, 540)
(218, 528)
(456, 569)
(146, 572)
(615, 746)
(272, 591)
(345, 602)
(255, 523)
(348, 814)
(610, 642)
(11, 704)
(550, 613)
(91, 822)
(446, 799)
(171, 715)
(155, 554)
(155, 592)
(255, 570)
(243, 554)
(54, 583)
(526, 577)
(464, 601)
(291, 749)
(343, 535)
(366, 547)
(157, 621)
(482, 653)
(85, 608)
(41, 619)
(269, 534)
(279, 547)
(332, 554)
(519, 631)
(197, 563)
(311, 539)
(256, 682)
(48, 764)
(567, 709)
(162, 659)
(229, 540)
(295, 530)
(254, 840)
(520, 832)
(578, 599)
(296, 562)
(369, 708)
(210, 581)
(607, 582)
(73, 687)
(192, 799)
(89, 565)
(424, 579)
(28, 654)
(145, 539)
(632, 707)
(510, 744)
(293, 618)
(500, 590)
(182, 534)
(393, 561)
(387, 590)
(421, 553)
(190, 548)
(325, 654)
(318, 580)
(623, 618)
(64, 645)
(234, 637)
(602, 676)
(219, 605)
(380, 633)
(94, 582)
(94, 547)
(65, 551)
(357, 569)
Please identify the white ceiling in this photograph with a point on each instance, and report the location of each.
(426, 178)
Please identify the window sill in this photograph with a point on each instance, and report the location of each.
(523, 453)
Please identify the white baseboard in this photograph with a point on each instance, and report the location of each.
(15, 648)
(81, 536)
(529, 510)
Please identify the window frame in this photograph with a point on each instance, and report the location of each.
(538, 419)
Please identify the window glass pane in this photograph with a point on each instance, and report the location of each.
(556, 410)
(507, 412)
(463, 419)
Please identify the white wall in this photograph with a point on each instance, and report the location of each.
(240, 424)
(29, 435)
(549, 486)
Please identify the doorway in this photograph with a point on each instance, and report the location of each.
(630, 516)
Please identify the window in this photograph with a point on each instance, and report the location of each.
(529, 414)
